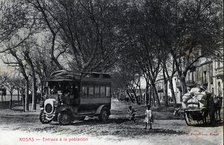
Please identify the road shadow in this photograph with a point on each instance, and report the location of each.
(17, 110)
(138, 132)
(12, 109)
(114, 127)
(164, 131)
(96, 122)
(215, 124)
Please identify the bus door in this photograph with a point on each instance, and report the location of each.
(75, 94)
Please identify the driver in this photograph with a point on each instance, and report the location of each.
(54, 90)
(65, 96)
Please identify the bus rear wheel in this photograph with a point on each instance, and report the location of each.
(64, 118)
(104, 115)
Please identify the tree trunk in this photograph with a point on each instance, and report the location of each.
(2, 97)
(156, 96)
(34, 100)
(29, 60)
(183, 87)
(140, 96)
(23, 98)
(136, 97)
(147, 94)
(166, 93)
(130, 96)
(10, 103)
(27, 96)
(172, 91)
(150, 96)
(18, 94)
(165, 88)
(42, 89)
(153, 97)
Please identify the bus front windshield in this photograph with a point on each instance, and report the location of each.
(59, 87)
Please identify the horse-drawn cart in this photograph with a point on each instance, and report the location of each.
(198, 107)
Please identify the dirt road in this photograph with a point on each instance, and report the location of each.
(24, 128)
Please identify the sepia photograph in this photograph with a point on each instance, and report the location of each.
(124, 72)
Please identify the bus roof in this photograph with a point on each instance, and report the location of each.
(64, 75)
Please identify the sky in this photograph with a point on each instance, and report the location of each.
(4, 68)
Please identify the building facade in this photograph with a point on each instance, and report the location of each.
(207, 73)
(218, 78)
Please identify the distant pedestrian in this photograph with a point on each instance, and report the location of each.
(131, 112)
(148, 117)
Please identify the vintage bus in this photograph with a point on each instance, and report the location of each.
(69, 96)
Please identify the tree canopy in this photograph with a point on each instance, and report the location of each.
(146, 37)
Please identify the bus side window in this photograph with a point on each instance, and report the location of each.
(102, 91)
(97, 91)
(107, 91)
(84, 91)
(90, 91)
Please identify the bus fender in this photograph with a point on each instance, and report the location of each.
(65, 109)
(99, 109)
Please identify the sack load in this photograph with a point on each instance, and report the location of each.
(194, 98)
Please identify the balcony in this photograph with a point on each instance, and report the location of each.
(191, 83)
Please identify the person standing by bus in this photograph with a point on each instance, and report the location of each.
(148, 117)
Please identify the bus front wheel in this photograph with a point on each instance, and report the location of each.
(104, 115)
(42, 118)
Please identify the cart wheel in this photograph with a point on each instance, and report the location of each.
(204, 116)
(182, 115)
(187, 119)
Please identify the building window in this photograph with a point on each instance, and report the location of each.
(218, 62)
(189, 76)
(219, 89)
(205, 77)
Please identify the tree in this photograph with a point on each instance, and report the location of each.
(143, 44)
(198, 33)
(87, 27)
(3, 79)
(126, 79)
(169, 71)
(28, 58)
(16, 28)
(20, 46)
(11, 85)
(152, 36)
(40, 7)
